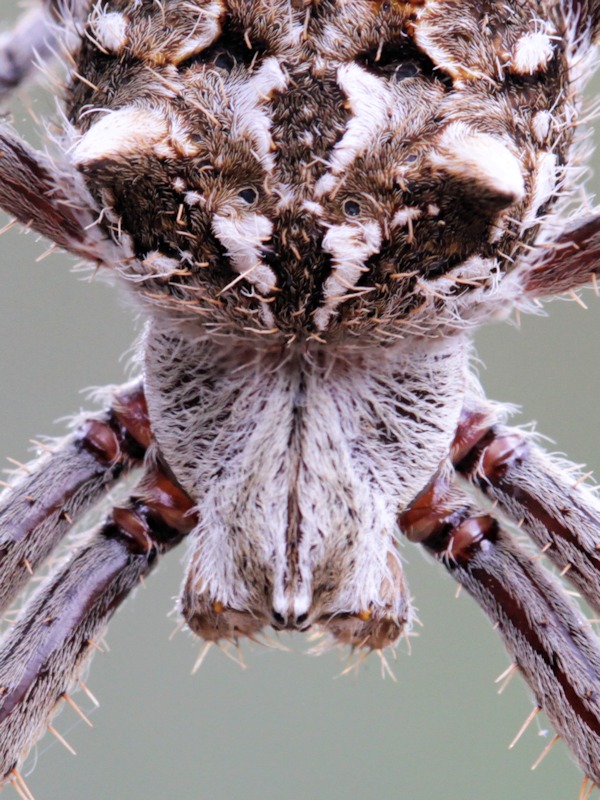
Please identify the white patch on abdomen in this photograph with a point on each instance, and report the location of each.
(243, 237)
(370, 102)
(109, 28)
(350, 247)
(531, 53)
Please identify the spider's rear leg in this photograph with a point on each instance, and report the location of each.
(44, 652)
(560, 514)
(57, 490)
(550, 641)
(50, 198)
(30, 42)
(568, 262)
(40, 35)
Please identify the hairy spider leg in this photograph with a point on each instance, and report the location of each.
(64, 483)
(43, 654)
(551, 642)
(49, 197)
(568, 262)
(553, 507)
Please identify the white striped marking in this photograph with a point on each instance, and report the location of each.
(133, 130)
(243, 237)
(370, 102)
(350, 247)
(251, 119)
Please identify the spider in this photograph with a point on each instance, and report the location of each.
(314, 203)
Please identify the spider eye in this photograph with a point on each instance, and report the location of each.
(248, 195)
(278, 619)
(351, 208)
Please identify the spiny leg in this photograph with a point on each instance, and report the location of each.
(550, 641)
(568, 262)
(50, 197)
(56, 491)
(44, 652)
(561, 515)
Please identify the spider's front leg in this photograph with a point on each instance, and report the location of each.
(44, 652)
(560, 514)
(50, 198)
(550, 641)
(37, 512)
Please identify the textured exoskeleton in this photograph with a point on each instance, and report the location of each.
(314, 203)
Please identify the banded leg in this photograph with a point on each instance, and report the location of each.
(50, 197)
(38, 511)
(561, 516)
(548, 638)
(44, 652)
(569, 262)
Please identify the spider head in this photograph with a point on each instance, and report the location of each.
(334, 170)
(345, 605)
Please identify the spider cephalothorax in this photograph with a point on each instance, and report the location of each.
(313, 202)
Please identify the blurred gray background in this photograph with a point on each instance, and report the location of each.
(287, 726)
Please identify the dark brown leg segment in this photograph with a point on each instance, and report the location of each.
(561, 515)
(38, 511)
(45, 651)
(50, 198)
(568, 262)
(542, 629)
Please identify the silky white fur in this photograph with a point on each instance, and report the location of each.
(345, 439)
(350, 247)
(479, 158)
(110, 30)
(532, 52)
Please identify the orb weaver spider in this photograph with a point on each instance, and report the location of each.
(314, 204)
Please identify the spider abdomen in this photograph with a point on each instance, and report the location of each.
(355, 172)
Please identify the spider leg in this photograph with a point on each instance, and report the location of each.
(31, 41)
(561, 515)
(566, 263)
(36, 39)
(62, 485)
(42, 655)
(550, 641)
(50, 198)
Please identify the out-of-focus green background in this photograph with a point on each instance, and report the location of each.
(287, 726)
